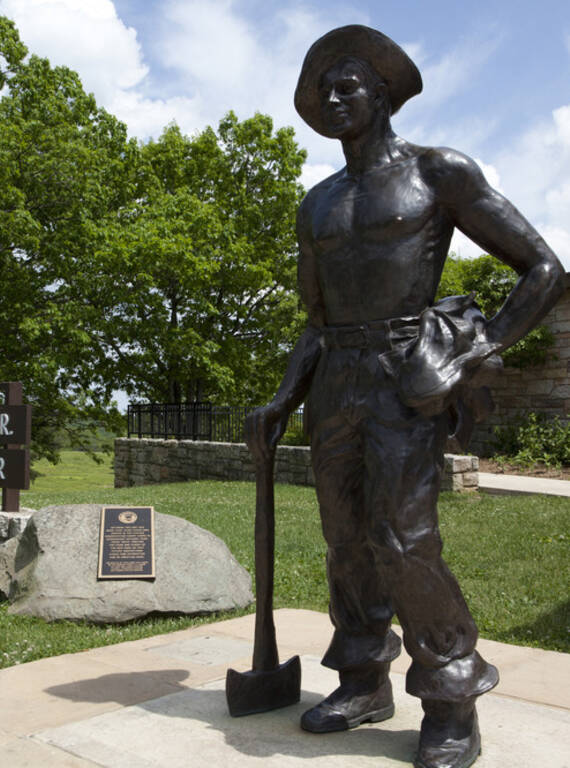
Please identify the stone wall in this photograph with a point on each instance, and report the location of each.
(544, 389)
(144, 462)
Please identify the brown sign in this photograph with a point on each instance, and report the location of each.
(15, 469)
(126, 543)
(15, 424)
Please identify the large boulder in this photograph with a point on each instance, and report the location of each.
(50, 570)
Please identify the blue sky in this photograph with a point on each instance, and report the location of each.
(496, 76)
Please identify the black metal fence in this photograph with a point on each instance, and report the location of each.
(193, 421)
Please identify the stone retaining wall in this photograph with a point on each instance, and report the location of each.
(542, 389)
(144, 462)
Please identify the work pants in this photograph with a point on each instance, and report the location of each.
(378, 467)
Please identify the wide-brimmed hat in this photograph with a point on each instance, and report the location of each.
(392, 64)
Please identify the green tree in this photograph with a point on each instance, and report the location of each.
(492, 282)
(199, 299)
(65, 165)
(165, 269)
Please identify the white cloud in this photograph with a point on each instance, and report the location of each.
(148, 117)
(89, 37)
(561, 118)
(535, 173)
(490, 173)
(416, 51)
(461, 245)
(209, 43)
(215, 57)
(313, 173)
(85, 35)
(255, 66)
(250, 71)
(538, 163)
(454, 68)
(558, 239)
(535, 176)
(442, 115)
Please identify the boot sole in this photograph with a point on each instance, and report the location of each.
(337, 722)
(372, 717)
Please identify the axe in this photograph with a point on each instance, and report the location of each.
(268, 685)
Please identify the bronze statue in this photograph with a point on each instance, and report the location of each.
(387, 375)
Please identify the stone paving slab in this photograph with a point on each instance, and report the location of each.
(26, 753)
(519, 484)
(205, 650)
(193, 727)
(50, 706)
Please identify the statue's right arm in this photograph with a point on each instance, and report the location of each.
(265, 426)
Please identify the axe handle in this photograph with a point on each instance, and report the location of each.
(265, 656)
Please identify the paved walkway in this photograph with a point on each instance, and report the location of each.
(517, 484)
(160, 703)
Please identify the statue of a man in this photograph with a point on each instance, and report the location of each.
(384, 370)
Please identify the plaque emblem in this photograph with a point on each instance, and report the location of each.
(128, 516)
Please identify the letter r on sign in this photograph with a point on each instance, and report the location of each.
(4, 421)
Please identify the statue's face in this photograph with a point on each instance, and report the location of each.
(349, 99)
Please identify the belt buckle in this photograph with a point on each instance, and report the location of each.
(364, 330)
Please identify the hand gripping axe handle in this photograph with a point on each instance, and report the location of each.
(268, 685)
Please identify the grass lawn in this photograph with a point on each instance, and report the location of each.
(508, 553)
(75, 472)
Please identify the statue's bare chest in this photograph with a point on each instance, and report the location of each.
(382, 206)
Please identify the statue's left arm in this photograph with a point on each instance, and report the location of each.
(491, 221)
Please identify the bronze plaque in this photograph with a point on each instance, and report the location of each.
(15, 468)
(126, 543)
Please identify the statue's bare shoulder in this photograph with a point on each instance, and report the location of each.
(316, 193)
(455, 178)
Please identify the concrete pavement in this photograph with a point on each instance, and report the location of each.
(160, 702)
(520, 484)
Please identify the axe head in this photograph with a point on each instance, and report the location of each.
(248, 693)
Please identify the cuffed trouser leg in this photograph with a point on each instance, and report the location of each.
(347, 651)
(455, 681)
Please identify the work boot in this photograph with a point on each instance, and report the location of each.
(364, 695)
(449, 736)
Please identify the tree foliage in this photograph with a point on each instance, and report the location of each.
(63, 167)
(165, 269)
(492, 281)
(198, 296)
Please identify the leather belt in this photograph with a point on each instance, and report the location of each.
(377, 333)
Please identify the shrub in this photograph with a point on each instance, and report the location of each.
(295, 436)
(534, 438)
